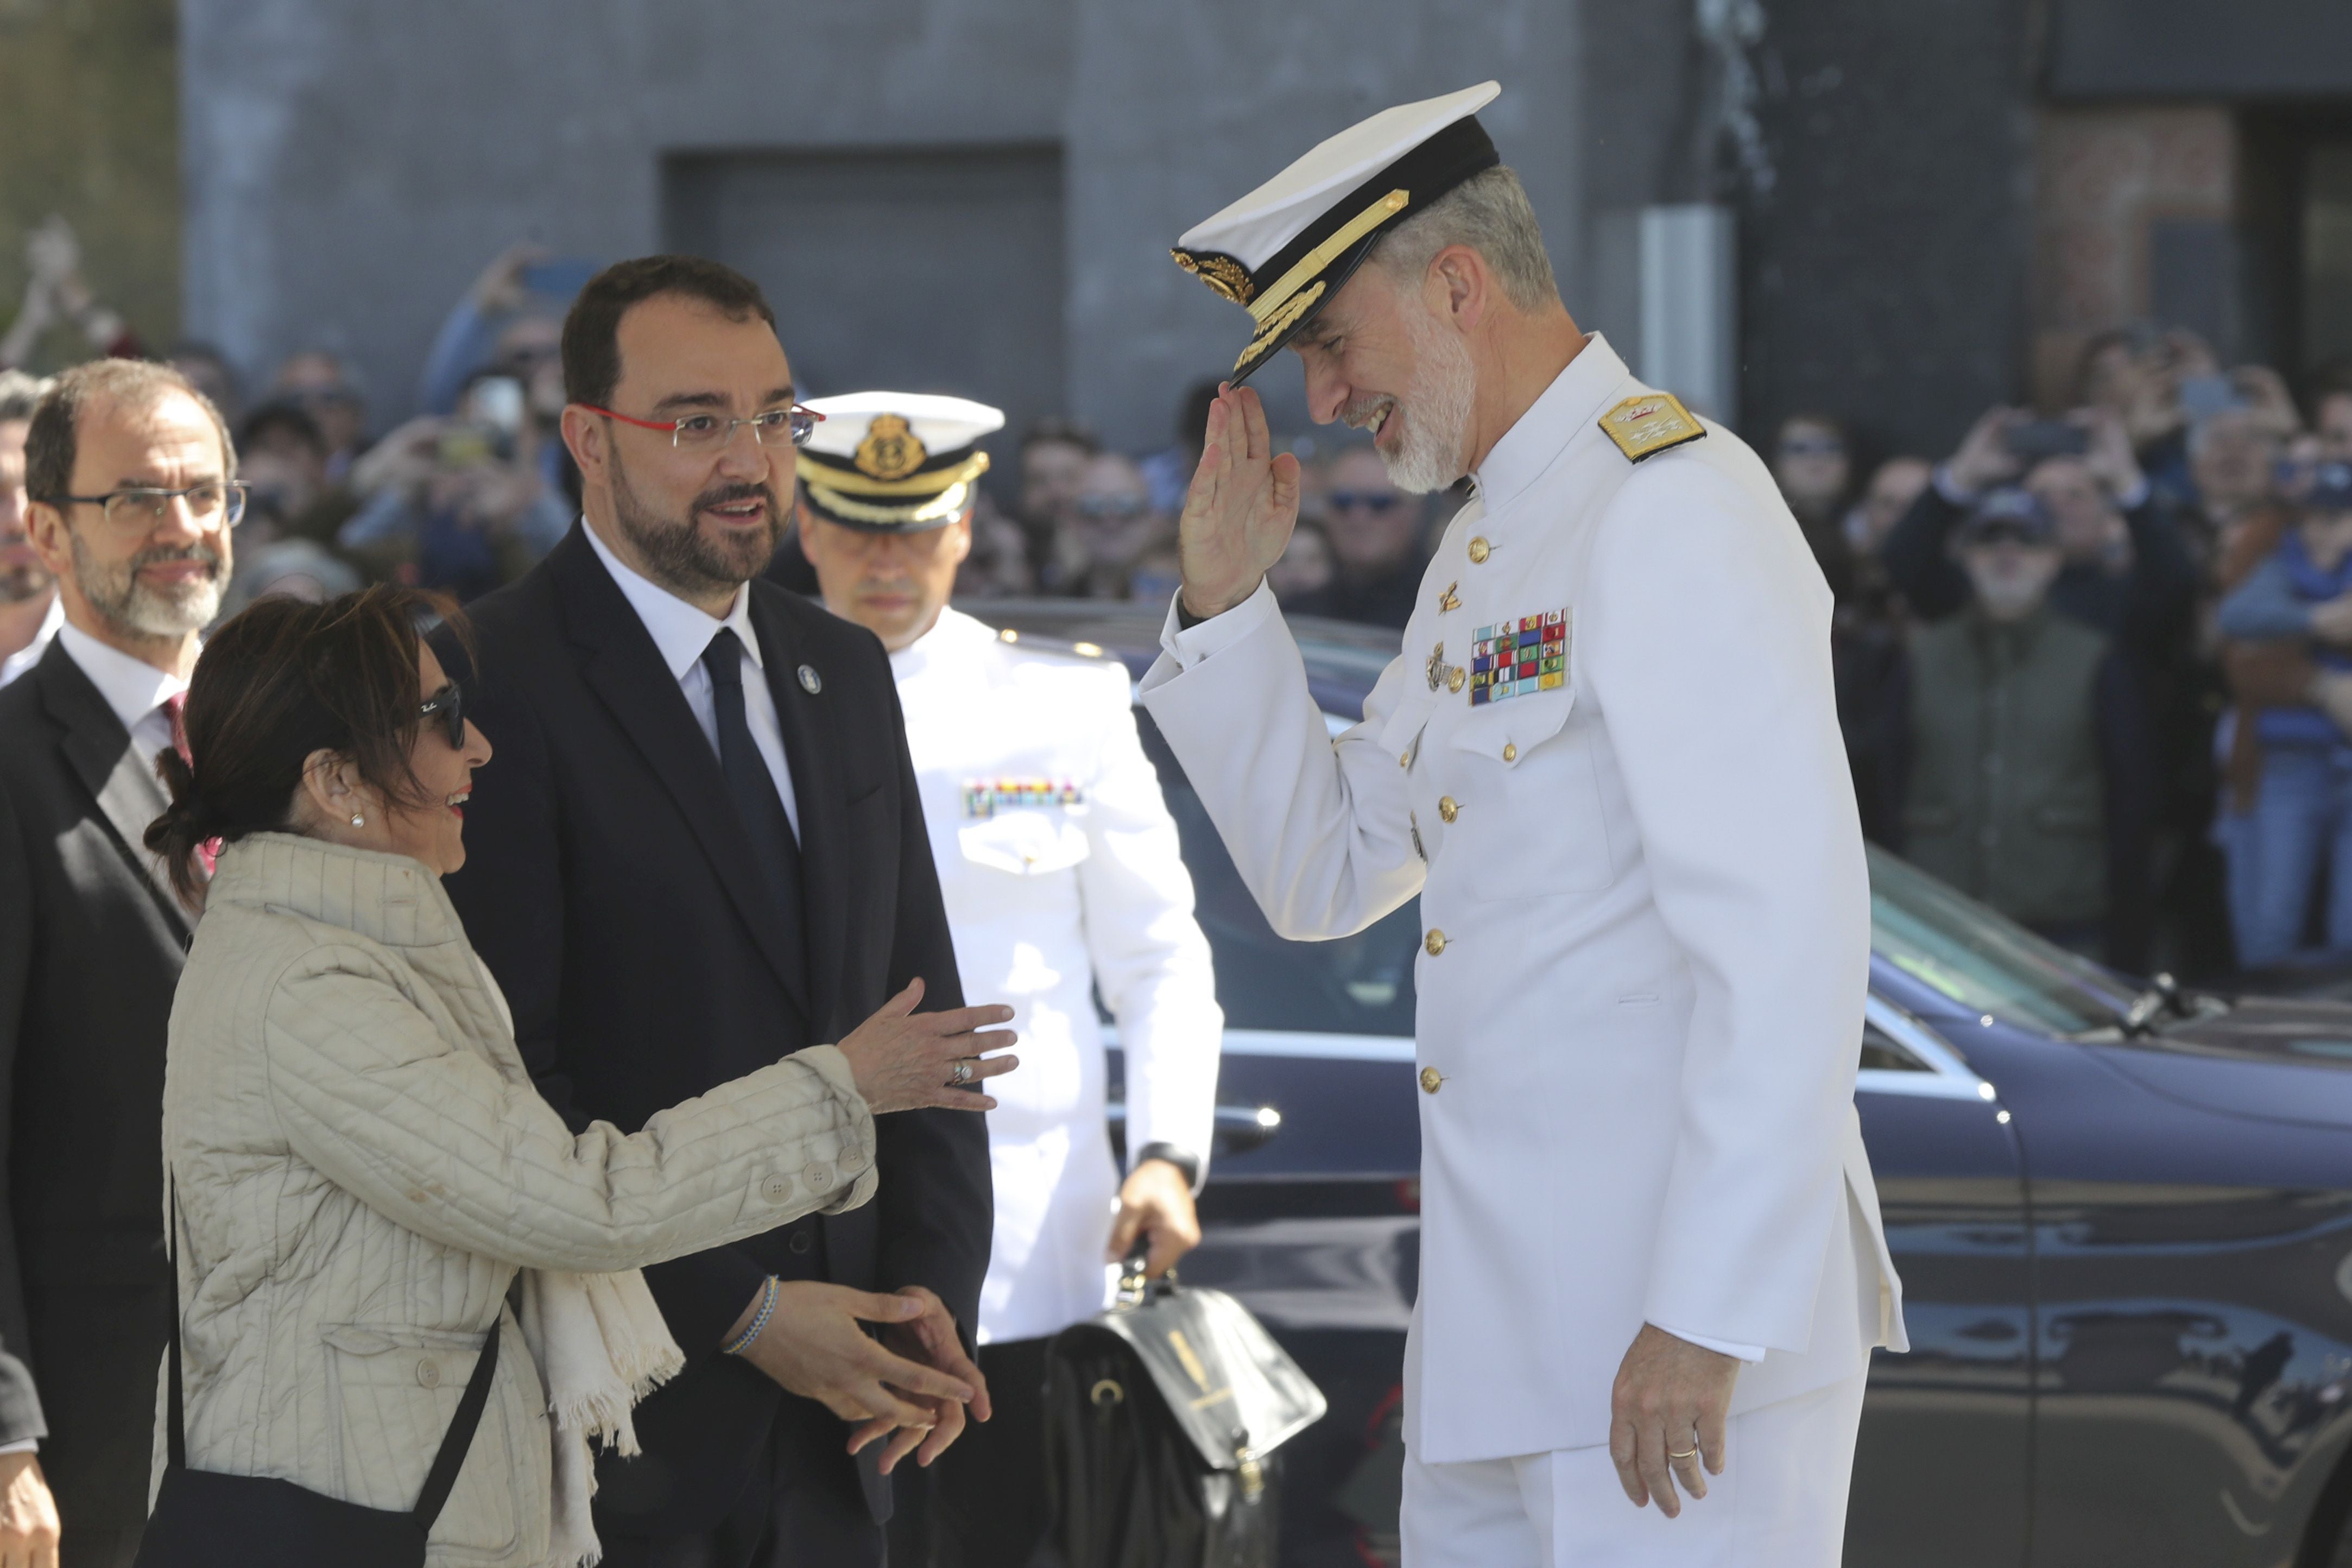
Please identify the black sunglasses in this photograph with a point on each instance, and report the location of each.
(449, 703)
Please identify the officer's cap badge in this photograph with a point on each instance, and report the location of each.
(891, 449)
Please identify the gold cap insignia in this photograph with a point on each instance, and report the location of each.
(890, 450)
(1222, 273)
(1646, 426)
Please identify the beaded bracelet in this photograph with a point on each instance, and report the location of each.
(742, 1341)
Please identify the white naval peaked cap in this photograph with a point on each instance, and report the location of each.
(895, 462)
(1285, 249)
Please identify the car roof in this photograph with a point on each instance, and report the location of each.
(1343, 659)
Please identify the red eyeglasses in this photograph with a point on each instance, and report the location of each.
(790, 427)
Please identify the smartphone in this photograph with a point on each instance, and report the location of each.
(464, 446)
(496, 401)
(2037, 439)
(2203, 396)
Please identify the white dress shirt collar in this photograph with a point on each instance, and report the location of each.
(681, 631)
(132, 687)
(1574, 399)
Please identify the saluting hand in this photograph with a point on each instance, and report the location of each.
(1241, 507)
(904, 1060)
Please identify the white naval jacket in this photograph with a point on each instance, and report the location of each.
(1648, 921)
(1060, 864)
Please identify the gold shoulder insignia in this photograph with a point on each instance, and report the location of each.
(1646, 426)
(891, 450)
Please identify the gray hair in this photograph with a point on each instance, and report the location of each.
(18, 392)
(1488, 212)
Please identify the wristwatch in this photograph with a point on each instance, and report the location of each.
(1182, 1159)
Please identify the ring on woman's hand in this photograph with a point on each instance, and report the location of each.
(962, 1073)
(1688, 1453)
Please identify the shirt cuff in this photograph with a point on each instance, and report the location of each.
(22, 1446)
(1720, 1347)
(1188, 645)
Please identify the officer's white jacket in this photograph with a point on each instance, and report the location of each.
(1061, 871)
(1648, 921)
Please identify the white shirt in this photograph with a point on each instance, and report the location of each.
(682, 634)
(25, 657)
(134, 689)
(1063, 878)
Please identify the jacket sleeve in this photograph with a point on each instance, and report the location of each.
(1150, 959)
(1919, 557)
(1706, 640)
(937, 1200)
(20, 1402)
(2163, 590)
(1318, 830)
(428, 1133)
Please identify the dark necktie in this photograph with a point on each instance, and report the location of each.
(754, 790)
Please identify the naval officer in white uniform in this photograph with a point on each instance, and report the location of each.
(1609, 764)
(1058, 861)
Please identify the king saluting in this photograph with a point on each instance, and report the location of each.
(1608, 762)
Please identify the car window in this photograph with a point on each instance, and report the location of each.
(1981, 961)
(1360, 984)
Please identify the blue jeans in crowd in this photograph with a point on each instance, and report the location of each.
(2302, 819)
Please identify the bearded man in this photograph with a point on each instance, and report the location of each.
(1609, 764)
(701, 850)
(133, 492)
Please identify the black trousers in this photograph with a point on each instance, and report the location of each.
(983, 1505)
(794, 1513)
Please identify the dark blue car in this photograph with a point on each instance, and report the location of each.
(2123, 1216)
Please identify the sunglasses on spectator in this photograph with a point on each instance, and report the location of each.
(1112, 508)
(448, 705)
(1375, 501)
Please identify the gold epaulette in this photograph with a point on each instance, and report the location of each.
(1652, 423)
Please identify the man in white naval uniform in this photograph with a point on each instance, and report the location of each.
(1059, 864)
(1608, 762)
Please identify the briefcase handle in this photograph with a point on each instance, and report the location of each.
(1135, 1288)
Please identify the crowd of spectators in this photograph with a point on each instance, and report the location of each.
(2095, 667)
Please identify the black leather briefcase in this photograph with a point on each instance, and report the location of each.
(1162, 1419)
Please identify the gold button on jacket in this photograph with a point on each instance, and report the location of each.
(1434, 941)
(1430, 1078)
(1479, 551)
(1447, 808)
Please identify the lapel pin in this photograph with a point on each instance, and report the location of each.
(809, 681)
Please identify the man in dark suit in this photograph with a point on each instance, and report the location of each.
(129, 469)
(699, 850)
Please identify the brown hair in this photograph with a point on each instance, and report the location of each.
(592, 329)
(53, 441)
(278, 682)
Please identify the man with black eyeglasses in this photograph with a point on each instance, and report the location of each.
(134, 495)
(1376, 541)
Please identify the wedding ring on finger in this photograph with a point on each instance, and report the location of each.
(962, 1073)
(1689, 1453)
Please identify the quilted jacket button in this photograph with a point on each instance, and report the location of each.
(776, 1187)
(428, 1372)
(819, 1177)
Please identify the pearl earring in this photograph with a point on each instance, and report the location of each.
(358, 821)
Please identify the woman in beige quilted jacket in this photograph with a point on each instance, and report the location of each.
(361, 1164)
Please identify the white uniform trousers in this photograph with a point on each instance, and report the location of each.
(1782, 1503)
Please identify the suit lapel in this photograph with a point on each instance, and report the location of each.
(99, 749)
(811, 748)
(625, 670)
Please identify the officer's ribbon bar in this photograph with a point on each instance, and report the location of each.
(1518, 658)
(983, 798)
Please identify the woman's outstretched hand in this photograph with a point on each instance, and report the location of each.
(905, 1060)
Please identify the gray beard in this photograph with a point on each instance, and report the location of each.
(1436, 409)
(136, 610)
(676, 554)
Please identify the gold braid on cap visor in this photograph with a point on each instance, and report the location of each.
(913, 487)
(942, 507)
